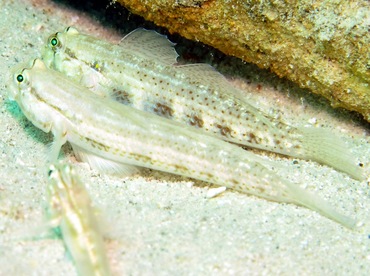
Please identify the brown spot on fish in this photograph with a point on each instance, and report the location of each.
(96, 144)
(209, 175)
(70, 53)
(252, 138)
(140, 157)
(180, 168)
(163, 110)
(196, 121)
(122, 96)
(224, 130)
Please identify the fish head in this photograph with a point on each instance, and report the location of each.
(75, 55)
(18, 81)
(59, 53)
(54, 47)
(22, 90)
(60, 47)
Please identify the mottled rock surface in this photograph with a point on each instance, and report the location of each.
(321, 45)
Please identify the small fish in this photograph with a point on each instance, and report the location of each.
(103, 131)
(141, 72)
(70, 210)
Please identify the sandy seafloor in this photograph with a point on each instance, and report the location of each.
(159, 224)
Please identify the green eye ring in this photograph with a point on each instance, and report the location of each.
(20, 78)
(54, 41)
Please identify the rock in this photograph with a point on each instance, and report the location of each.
(321, 45)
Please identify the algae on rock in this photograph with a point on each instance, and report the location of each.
(321, 45)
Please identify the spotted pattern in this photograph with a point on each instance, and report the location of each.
(163, 110)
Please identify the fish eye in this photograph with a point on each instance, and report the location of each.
(20, 78)
(54, 41)
(51, 170)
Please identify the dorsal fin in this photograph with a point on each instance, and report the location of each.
(151, 45)
(38, 63)
(71, 30)
(201, 71)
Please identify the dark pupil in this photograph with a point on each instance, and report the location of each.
(54, 41)
(50, 172)
(20, 78)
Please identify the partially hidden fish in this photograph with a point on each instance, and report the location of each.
(141, 72)
(103, 131)
(69, 209)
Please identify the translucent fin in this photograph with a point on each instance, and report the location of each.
(104, 165)
(213, 192)
(324, 147)
(151, 45)
(53, 152)
(38, 63)
(45, 230)
(56, 146)
(277, 189)
(201, 71)
(304, 198)
(71, 30)
(204, 69)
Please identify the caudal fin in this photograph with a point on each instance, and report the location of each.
(313, 202)
(324, 147)
(271, 186)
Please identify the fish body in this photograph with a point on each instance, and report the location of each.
(141, 72)
(70, 209)
(102, 130)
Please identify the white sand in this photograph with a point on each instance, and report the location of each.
(158, 224)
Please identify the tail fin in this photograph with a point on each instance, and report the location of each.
(272, 187)
(324, 147)
(304, 198)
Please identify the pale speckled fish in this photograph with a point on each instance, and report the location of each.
(140, 72)
(104, 131)
(70, 209)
